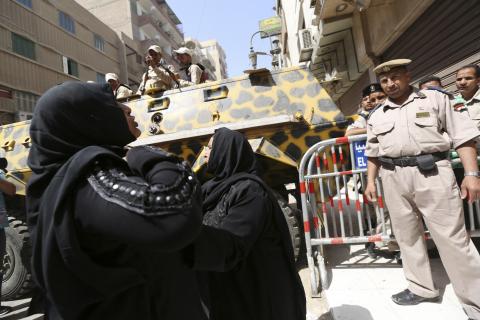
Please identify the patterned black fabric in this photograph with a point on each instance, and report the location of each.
(100, 252)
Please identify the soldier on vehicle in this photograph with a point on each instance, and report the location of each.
(406, 146)
(195, 72)
(120, 90)
(158, 77)
(372, 96)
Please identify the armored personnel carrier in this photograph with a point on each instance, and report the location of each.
(282, 113)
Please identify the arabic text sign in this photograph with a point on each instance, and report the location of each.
(271, 26)
(359, 154)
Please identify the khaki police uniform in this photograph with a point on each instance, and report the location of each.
(473, 107)
(411, 129)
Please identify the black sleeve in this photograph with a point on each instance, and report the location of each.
(158, 208)
(222, 249)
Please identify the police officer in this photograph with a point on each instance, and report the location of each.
(405, 145)
(371, 96)
(468, 83)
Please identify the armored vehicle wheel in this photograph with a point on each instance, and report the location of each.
(292, 215)
(17, 280)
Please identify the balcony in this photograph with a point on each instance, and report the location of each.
(166, 13)
(154, 27)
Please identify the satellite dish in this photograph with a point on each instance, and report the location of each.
(190, 45)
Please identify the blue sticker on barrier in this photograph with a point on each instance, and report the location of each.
(359, 154)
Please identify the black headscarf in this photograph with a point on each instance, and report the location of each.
(73, 124)
(231, 160)
(68, 118)
(231, 155)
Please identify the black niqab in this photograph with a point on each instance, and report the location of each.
(74, 124)
(233, 160)
(231, 155)
(68, 118)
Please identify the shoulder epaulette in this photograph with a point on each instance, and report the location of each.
(449, 94)
(375, 109)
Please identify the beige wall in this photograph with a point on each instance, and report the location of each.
(108, 11)
(118, 15)
(387, 20)
(41, 25)
(218, 58)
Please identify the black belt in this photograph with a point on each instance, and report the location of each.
(411, 161)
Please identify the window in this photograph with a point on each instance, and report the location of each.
(66, 22)
(99, 42)
(23, 116)
(25, 101)
(26, 3)
(70, 67)
(100, 78)
(23, 46)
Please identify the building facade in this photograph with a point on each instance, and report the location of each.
(211, 55)
(348, 38)
(43, 43)
(147, 22)
(214, 50)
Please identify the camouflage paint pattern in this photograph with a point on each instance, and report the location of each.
(292, 93)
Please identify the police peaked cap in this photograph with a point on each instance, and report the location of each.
(391, 64)
(371, 88)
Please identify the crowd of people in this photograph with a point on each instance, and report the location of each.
(131, 234)
(409, 134)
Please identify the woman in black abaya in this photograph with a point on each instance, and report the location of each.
(244, 243)
(106, 232)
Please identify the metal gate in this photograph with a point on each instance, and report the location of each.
(334, 209)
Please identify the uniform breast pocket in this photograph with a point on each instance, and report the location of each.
(426, 130)
(384, 134)
(474, 114)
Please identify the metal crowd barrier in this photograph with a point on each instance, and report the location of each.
(333, 214)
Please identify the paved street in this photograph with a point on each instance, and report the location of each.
(361, 287)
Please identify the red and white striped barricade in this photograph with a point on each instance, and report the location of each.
(335, 214)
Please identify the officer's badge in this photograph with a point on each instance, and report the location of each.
(459, 107)
(459, 104)
(422, 115)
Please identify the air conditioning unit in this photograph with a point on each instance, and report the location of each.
(306, 44)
